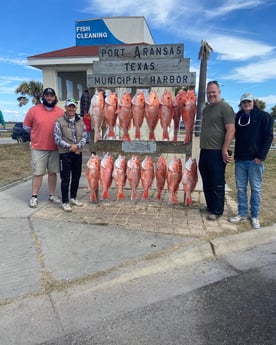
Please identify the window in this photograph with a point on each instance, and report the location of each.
(71, 84)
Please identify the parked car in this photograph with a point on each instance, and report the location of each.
(19, 133)
(181, 125)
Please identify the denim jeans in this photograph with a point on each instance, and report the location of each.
(252, 173)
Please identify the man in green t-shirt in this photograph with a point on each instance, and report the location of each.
(217, 133)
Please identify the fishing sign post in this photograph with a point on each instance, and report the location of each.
(141, 67)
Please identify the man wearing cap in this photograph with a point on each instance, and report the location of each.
(70, 136)
(39, 122)
(254, 135)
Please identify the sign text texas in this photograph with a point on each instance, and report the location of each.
(144, 66)
(158, 51)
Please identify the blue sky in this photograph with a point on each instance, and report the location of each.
(241, 34)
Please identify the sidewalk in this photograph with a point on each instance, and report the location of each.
(46, 248)
(52, 261)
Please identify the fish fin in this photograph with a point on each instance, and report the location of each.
(93, 196)
(158, 197)
(126, 136)
(111, 133)
(173, 199)
(187, 138)
(151, 136)
(165, 135)
(105, 195)
(137, 133)
(134, 195)
(120, 195)
(145, 195)
(188, 199)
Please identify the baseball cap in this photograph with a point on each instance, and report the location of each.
(49, 90)
(247, 97)
(71, 101)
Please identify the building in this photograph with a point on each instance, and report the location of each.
(67, 70)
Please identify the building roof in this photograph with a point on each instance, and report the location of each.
(76, 51)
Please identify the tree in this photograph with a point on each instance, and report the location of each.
(273, 112)
(33, 89)
(203, 56)
(260, 104)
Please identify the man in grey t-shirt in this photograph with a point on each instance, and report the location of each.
(217, 133)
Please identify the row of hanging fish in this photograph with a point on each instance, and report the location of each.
(133, 111)
(106, 170)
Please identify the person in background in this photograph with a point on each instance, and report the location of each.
(87, 122)
(39, 122)
(70, 136)
(254, 135)
(217, 133)
(2, 121)
(84, 103)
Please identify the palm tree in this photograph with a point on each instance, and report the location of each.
(33, 89)
(203, 56)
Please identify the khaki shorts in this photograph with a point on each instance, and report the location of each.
(44, 161)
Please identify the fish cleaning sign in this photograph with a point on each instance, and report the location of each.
(141, 66)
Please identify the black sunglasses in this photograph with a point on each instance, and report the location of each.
(213, 82)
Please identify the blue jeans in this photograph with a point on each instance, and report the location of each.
(252, 173)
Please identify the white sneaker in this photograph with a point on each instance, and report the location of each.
(237, 219)
(255, 223)
(33, 202)
(66, 207)
(54, 199)
(75, 202)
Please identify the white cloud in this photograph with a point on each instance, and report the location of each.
(231, 6)
(234, 48)
(18, 61)
(257, 72)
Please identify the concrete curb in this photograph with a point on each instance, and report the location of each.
(178, 257)
(243, 240)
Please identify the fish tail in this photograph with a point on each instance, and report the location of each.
(151, 136)
(111, 133)
(173, 199)
(134, 195)
(188, 199)
(120, 195)
(187, 138)
(165, 135)
(158, 197)
(145, 195)
(93, 196)
(105, 195)
(137, 133)
(126, 136)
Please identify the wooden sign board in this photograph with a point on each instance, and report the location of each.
(157, 147)
(144, 66)
(138, 52)
(142, 80)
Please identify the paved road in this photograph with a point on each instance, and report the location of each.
(7, 140)
(226, 300)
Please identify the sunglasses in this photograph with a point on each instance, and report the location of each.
(213, 82)
(72, 100)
